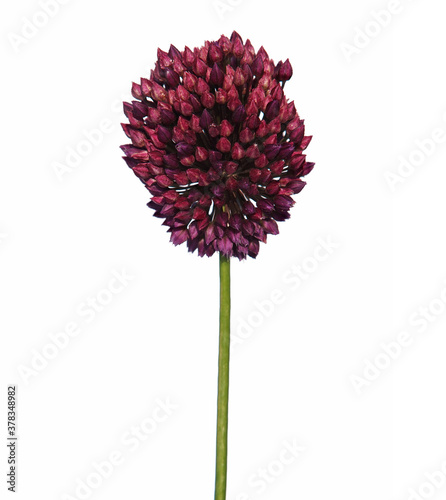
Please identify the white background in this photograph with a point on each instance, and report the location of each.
(293, 375)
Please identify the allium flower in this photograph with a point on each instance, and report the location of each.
(218, 145)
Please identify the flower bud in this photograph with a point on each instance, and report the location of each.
(164, 134)
(174, 52)
(239, 114)
(215, 53)
(257, 66)
(200, 67)
(272, 110)
(224, 145)
(172, 78)
(217, 76)
(226, 129)
(285, 71)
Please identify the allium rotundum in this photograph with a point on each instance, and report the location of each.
(218, 145)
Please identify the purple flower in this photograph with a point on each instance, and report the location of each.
(218, 145)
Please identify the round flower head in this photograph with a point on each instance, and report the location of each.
(218, 145)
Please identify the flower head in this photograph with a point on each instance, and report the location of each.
(218, 145)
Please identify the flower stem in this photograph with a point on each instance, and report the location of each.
(223, 379)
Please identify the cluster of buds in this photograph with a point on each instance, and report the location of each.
(218, 145)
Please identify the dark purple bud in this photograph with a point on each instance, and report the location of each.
(247, 72)
(135, 153)
(305, 142)
(231, 167)
(241, 252)
(257, 66)
(172, 78)
(222, 219)
(218, 190)
(277, 69)
(168, 210)
(215, 156)
(243, 241)
(174, 52)
(155, 190)
(235, 221)
(273, 188)
(139, 110)
(179, 236)
(206, 119)
(212, 175)
(272, 110)
(248, 227)
(218, 165)
(193, 230)
(225, 245)
(137, 137)
(248, 208)
(188, 57)
(260, 234)
(270, 226)
(286, 151)
(308, 167)
(231, 184)
(234, 236)
(285, 71)
(192, 244)
(298, 134)
(239, 114)
(209, 234)
(297, 185)
(265, 205)
(244, 183)
(209, 251)
(272, 150)
(156, 75)
(196, 105)
(131, 162)
(153, 205)
(235, 36)
(253, 248)
(297, 161)
(164, 134)
(184, 149)
(233, 61)
(217, 76)
(283, 202)
(167, 117)
(280, 215)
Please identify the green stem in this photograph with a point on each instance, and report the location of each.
(223, 379)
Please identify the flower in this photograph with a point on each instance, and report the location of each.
(218, 145)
